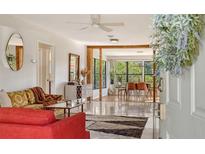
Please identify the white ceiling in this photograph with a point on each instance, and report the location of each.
(137, 29)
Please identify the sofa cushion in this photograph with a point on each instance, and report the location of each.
(26, 116)
(18, 98)
(39, 94)
(34, 106)
(5, 101)
(30, 96)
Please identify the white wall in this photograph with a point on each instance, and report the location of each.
(31, 34)
(185, 103)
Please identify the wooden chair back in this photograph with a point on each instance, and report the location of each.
(142, 86)
(130, 86)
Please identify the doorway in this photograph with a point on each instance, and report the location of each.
(46, 67)
(146, 74)
(134, 67)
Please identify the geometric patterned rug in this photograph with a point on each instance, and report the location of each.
(117, 125)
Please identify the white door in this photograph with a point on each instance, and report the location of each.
(185, 103)
(46, 67)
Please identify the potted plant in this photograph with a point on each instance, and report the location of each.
(176, 41)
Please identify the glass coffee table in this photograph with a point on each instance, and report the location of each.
(66, 106)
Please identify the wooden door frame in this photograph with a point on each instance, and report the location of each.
(101, 47)
(118, 46)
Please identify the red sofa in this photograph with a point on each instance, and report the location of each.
(21, 123)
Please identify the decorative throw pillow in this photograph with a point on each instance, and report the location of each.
(39, 94)
(5, 101)
(30, 96)
(18, 98)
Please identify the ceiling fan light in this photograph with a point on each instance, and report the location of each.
(114, 40)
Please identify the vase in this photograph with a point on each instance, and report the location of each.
(83, 82)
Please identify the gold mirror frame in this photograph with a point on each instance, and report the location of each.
(77, 67)
(15, 60)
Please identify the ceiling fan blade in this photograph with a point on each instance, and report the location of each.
(84, 28)
(113, 24)
(105, 28)
(77, 23)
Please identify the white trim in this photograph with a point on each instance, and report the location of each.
(192, 90)
(179, 90)
(167, 87)
(177, 102)
(195, 111)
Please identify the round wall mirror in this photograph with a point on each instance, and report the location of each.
(15, 52)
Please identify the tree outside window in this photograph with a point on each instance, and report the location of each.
(131, 71)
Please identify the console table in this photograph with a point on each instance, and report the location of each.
(73, 92)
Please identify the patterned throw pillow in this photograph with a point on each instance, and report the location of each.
(18, 98)
(30, 96)
(39, 94)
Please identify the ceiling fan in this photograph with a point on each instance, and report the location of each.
(96, 22)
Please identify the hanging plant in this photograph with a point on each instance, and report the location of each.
(176, 41)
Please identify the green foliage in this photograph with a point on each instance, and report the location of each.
(176, 41)
(135, 67)
(148, 68)
(130, 71)
(120, 67)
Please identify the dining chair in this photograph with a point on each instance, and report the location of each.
(130, 88)
(142, 87)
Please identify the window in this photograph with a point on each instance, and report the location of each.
(120, 72)
(131, 71)
(127, 71)
(134, 71)
(96, 74)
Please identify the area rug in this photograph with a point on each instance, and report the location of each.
(130, 127)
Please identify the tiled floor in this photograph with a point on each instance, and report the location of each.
(121, 106)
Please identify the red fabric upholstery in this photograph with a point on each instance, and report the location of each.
(136, 86)
(68, 128)
(130, 86)
(76, 123)
(26, 116)
(142, 86)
